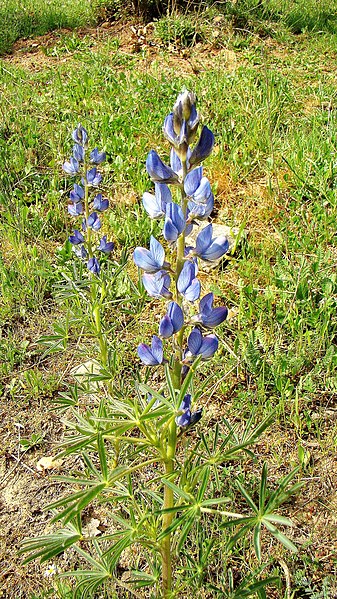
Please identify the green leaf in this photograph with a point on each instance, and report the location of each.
(257, 540)
(278, 519)
(185, 530)
(280, 536)
(247, 497)
(263, 485)
(232, 541)
(177, 490)
(216, 501)
(102, 456)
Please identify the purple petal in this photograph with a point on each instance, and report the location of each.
(145, 260)
(158, 171)
(157, 251)
(194, 341)
(186, 276)
(80, 135)
(216, 317)
(192, 181)
(203, 148)
(146, 355)
(209, 346)
(218, 248)
(192, 293)
(157, 349)
(153, 205)
(204, 239)
(166, 327)
(176, 315)
(206, 303)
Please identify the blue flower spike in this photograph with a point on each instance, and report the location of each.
(209, 248)
(172, 322)
(151, 356)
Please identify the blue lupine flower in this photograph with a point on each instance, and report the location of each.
(80, 135)
(106, 246)
(77, 238)
(78, 153)
(201, 346)
(196, 186)
(187, 284)
(151, 356)
(80, 251)
(174, 222)
(76, 194)
(94, 222)
(93, 265)
(71, 167)
(200, 211)
(172, 321)
(158, 171)
(157, 285)
(203, 148)
(150, 260)
(93, 177)
(155, 205)
(100, 204)
(199, 190)
(210, 317)
(188, 419)
(185, 407)
(209, 248)
(75, 209)
(97, 157)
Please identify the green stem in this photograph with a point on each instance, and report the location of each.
(172, 431)
(168, 517)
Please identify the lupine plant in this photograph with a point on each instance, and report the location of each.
(86, 205)
(145, 455)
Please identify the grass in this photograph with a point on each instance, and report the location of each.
(272, 111)
(24, 18)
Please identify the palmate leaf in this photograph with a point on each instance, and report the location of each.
(47, 546)
(264, 515)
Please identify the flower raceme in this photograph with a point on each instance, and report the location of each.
(176, 279)
(81, 204)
